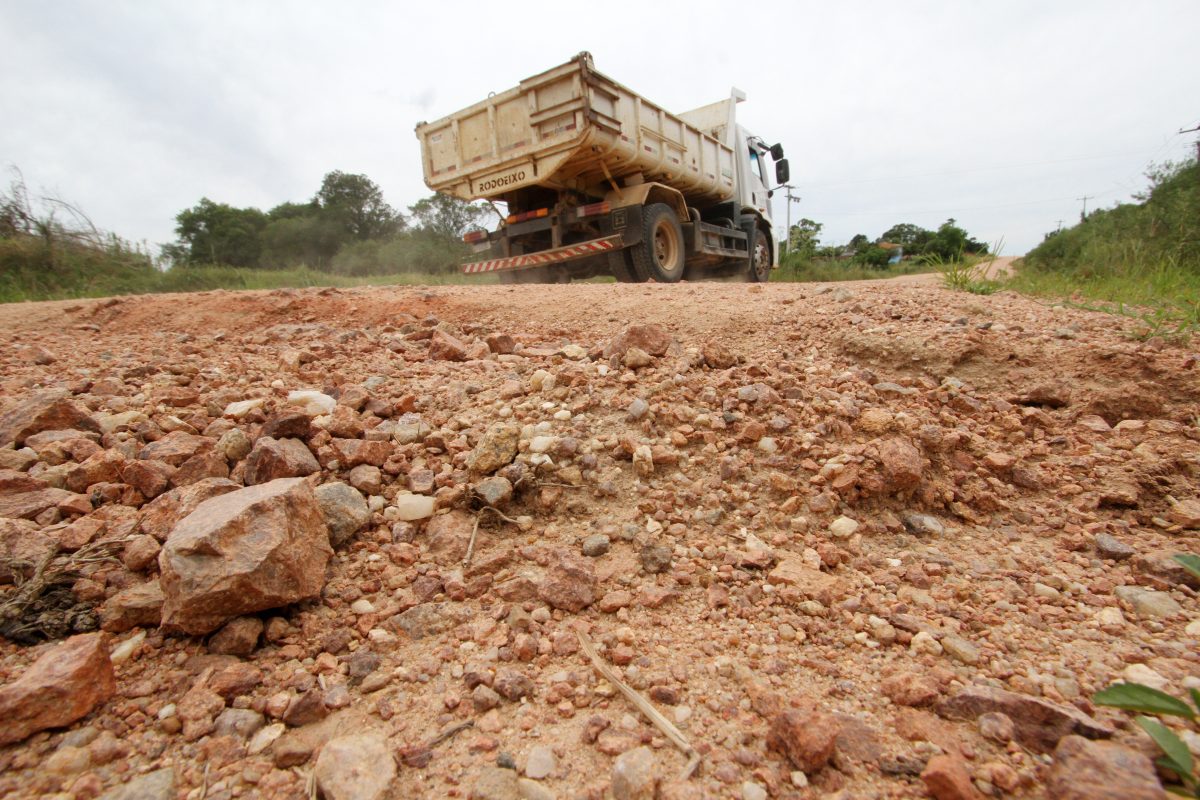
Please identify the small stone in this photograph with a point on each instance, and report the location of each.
(656, 557)
(634, 775)
(495, 491)
(496, 449)
(923, 642)
(752, 791)
(996, 726)
(1108, 546)
(717, 356)
(570, 583)
(808, 739)
(239, 722)
(1037, 723)
(1186, 513)
(636, 358)
(946, 778)
(596, 545)
(279, 458)
(344, 509)
(910, 689)
(314, 404)
(923, 525)
(238, 637)
(960, 650)
(1087, 770)
(444, 347)
(540, 762)
(496, 783)
(637, 409)
(355, 767)
(652, 339)
(843, 527)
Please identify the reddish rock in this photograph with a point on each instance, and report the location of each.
(500, 343)
(235, 680)
(151, 478)
(140, 552)
(570, 582)
(305, 709)
(1086, 770)
(208, 464)
(197, 710)
(44, 411)
(901, 464)
(175, 448)
(615, 600)
(718, 356)
(1186, 513)
(260, 547)
(946, 778)
(343, 423)
(651, 339)
(103, 467)
(287, 425)
(444, 347)
(238, 637)
(1038, 724)
(22, 547)
(29, 504)
(910, 689)
(271, 459)
(447, 536)
(807, 738)
(354, 452)
(161, 515)
(136, 606)
(66, 683)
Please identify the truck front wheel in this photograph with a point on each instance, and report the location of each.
(760, 258)
(660, 255)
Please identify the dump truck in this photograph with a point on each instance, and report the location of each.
(597, 180)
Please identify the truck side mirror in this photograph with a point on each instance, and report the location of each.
(782, 172)
(776, 151)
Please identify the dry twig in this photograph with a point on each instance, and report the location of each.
(449, 732)
(475, 531)
(645, 706)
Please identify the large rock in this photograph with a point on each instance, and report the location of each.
(175, 448)
(271, 459)
(496, 449)
(344, 509)
(444, 347)
(355, 767)
(1085, 770)
(20, 500)
(44, 411)
(260, 547)
(65, 684)
(901, 464)
(1038, 724)
(946, 778)
(652, 339)
(159, 517)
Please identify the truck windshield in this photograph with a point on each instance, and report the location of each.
(756, 164)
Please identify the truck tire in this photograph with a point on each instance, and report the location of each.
(621, 267)
(660, 255)
(535, 275)
(760, 258)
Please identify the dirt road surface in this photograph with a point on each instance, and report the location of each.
(872, 540)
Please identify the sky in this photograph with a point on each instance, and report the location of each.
(1001, 115)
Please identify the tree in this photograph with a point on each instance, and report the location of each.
(308, 240)
(859, 243)
(906, 235)
(357, 204)
(951, 242)
(218, 233)
(803, 238)
(447, 217)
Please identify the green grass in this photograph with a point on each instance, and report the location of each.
(820, 271)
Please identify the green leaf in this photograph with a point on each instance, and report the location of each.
(1189, 562)
(1195, 697)
(1136, 697)
(1179, 758)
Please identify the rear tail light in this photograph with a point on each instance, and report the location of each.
(474, 236)
(593, 209)
(541, 212)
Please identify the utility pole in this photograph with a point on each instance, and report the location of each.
(1194, 130)
(1085, 198)
(787, 236)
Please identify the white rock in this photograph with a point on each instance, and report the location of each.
(124, 650)
(540, 762)
(1110, 617)
(541, 444)
(752, 791)
(923, 642)
(413, 506)
(264, 738)
(573, 352)
(311, 402)
(1193, 628)
(355, 767)
(768, 445)
(799, 779)
(843, 527)
(362, 606)
(241, 408)
(1140, 673)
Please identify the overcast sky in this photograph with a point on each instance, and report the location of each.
(999, 114)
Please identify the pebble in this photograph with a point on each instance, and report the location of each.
(411, 507)
(540, 762)
(596, 545)
(843, 527)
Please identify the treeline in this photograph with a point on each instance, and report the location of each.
(1159, 234)
(347, 228)
(949, 243)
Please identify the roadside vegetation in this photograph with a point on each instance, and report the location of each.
(1140, 260)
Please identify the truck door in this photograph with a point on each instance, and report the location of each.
(758, 182)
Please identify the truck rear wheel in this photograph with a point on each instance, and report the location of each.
(660, 255)
(621, 267)
(760, 258)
